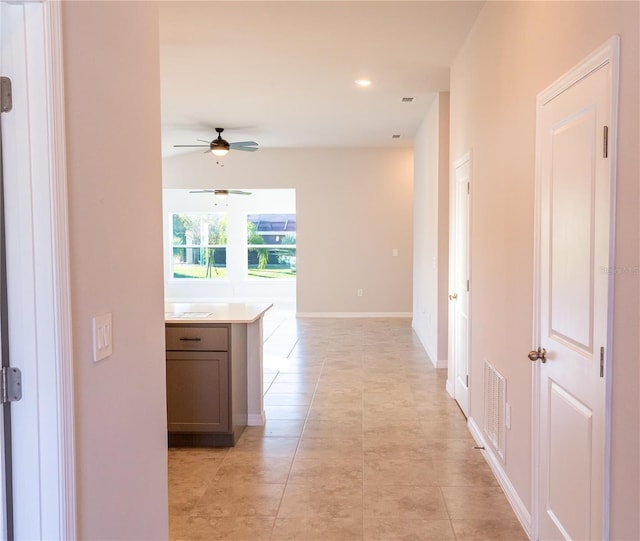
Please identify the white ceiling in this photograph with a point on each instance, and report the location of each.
(283, 73)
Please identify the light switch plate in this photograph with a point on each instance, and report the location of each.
(102, 337)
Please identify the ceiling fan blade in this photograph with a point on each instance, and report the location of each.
(244, 144)
(191, 146)
(202, 191)
(246, 149)
(239, 192)
(203, 141)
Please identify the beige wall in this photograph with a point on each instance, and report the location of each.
(515, 50)
(431, 230)
(114, 180)
(353, 208)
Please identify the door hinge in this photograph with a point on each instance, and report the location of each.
(601, 362)
(467, 380)
(605, 142)
(6, 99)
(11, 384)
(468, 188)
(467, 285)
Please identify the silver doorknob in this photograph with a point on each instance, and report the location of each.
(453, 296)
(540, 353)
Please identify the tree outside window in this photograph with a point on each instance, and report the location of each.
(199, 246)
(271, 246)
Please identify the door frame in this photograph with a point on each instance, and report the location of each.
(452, 370)
(608, 53)
(52, 418)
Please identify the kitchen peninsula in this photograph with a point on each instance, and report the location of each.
(214, 371)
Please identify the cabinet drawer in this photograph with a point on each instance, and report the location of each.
(197, 338)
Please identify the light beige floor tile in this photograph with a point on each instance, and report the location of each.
(287, 377)
(203, 528)
(394, 529)
(240, 500)
(443, 429)
(183, 498)
(247, 468)
(327, 472)
(299, 387)
(456, 449)
(362, 442)
(282, 447)
(399, 471)
(351, 414)
(489, 530)
(344, 398)
(287, 399)
(333, 447)
(286, 412)
(317, 529)
(393, 431)
(380, 402)
(404, 502)
(278, 428)
(459, 473)
(315, 501)
(391, 446)
(477, 503)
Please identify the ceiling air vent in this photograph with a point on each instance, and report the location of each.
(407, 100)
(395, 136)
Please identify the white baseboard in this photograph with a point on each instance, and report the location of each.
(519, 508)
(449, 388)
(441, 363)
(256, 419)
(353, 314)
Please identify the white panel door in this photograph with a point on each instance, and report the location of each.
(43, 468)
(575, 192)
(459, 284)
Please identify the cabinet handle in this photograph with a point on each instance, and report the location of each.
(190, 339)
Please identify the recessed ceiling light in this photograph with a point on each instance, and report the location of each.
(363, 82)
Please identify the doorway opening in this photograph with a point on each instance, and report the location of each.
(239, 248)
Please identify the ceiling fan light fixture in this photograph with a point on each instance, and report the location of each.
(220, 147)
(219, 150)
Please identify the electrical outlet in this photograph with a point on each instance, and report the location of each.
(394, 252)
(360, 292)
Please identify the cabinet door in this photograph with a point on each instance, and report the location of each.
(197, 391)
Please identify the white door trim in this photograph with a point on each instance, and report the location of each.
(60, 251)
(609, 53)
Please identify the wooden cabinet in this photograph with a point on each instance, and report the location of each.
(206, 404)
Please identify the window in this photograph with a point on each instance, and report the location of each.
(199, 246)
(271, 246)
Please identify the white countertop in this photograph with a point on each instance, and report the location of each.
(223, 312)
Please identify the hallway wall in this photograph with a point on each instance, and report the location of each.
(431, 230)
(112, 91)
(515, 50)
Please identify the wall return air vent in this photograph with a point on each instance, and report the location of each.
(494, 408)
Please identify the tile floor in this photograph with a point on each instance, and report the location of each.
(361, 443)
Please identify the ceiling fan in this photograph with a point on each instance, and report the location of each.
(222, 194)
(220, 147)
